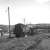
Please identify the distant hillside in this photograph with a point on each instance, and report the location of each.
(11, 27)
(43, 26)
(6, 27)
(37, 26)
(40, 26)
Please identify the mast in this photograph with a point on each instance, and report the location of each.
(9, 21)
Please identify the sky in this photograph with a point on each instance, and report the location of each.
(33, 11)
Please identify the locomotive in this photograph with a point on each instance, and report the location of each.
(18, 30)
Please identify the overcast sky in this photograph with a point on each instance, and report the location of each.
(34, 11)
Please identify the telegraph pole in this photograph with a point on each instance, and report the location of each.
(25, 28)
(9, 21)
(24, 20)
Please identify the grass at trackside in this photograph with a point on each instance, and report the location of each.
(15, 43)
(19, 43)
